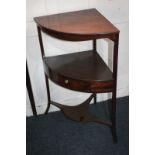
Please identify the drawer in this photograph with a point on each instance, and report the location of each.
(82, 86)
(71, 83)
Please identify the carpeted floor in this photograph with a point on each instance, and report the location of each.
(54, 134)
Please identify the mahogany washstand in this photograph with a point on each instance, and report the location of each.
(82, 71)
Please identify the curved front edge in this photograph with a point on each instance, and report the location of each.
(76, 37)
(80, 112)
(79, 85)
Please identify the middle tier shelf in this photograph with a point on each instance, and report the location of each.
(81, 71)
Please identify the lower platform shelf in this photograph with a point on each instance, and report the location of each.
(80, 112)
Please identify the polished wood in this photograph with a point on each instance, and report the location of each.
(94, 49)
(46, 78)
(48, 93)
(78, 25)
(80, 112)
(115, 63)
(95, 98)
(82, 71)
(30, 92)
(94, 45)
(40, 41)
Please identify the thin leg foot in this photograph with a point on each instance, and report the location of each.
(114, 134)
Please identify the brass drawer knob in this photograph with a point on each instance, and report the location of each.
(66, 81)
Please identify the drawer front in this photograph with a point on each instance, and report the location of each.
(82, 86)
(71, 84)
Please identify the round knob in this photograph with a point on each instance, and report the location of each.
(66, 81)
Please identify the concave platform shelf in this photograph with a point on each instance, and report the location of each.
(81, 71)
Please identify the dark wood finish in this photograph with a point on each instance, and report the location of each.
(48, 93)
(81, 71)
(30, 92)
(80, 112)
(41, 41)
(95, 98)
(79, 25)
(46, 78)
(94, 49)
(94, 45)
(115, 63)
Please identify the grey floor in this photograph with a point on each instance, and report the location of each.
(53, 134)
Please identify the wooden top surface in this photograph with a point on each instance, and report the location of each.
(85, 66)
(79, 22)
